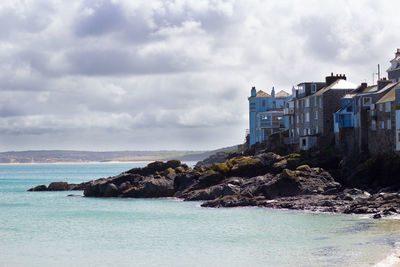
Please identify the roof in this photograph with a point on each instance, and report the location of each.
(349, 96)
(337, 85)
(261, 93)
(282, 94)
(395, 59)
(388, 97)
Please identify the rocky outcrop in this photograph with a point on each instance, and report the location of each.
(265, 180)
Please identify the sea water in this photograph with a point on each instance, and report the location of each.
(52, 229)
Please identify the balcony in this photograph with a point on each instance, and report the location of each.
(345, 120)
(270, 124)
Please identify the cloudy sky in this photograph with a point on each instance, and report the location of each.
(149, 75)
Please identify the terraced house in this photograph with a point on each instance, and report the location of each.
(266, 114)
(313, 109)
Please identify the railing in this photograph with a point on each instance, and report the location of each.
(269, 124)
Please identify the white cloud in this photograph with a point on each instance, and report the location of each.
(170, 74)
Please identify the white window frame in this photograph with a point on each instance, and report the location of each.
(313, 88)
(306, 102)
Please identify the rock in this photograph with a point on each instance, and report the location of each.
(303, 168)
(111, 190)
(377, 216)
(181, 182)
(246, 167)
(58, 186)
(38, 188)
(286, 184)
(230, 201)
(281, 165)
(220, 167)
(173, 163)
(157, 188)
(169, 173)
(209, 178)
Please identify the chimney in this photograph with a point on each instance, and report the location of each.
(253, 91)
(331, 79)
(383, 82)
(397, 52)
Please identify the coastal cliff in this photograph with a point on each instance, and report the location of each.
(265, 180)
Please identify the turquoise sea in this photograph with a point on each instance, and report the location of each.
(51, 229)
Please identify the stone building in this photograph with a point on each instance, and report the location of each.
(312, 119)
(381, 135)
(394, 70)
(295, 107)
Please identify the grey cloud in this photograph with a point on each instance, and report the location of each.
(321, 38)
(119, 62)
(99, 17)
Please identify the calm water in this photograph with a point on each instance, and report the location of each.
(51, 229)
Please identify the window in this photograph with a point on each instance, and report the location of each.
(315, 101)
(387, 106)
(304, 131)
(373, 125)
(263, 103)
(316, 115)
(320, 101)
(307, 116)
(304, 142)
(298, 131)
(366, 101)
(389, 124)
(313, 88)
(306, 102)
(380, 107)
(382, 125)
(297, 119)
(316, 130)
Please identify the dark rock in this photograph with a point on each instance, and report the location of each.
(39, 188)
(173, 163)
(58, 186)
(111, 190)
(209, 178)
(377, 216)
(182, 182)
(230, 201)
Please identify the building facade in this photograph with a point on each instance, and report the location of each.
(266, 114)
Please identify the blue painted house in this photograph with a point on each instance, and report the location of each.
(344, 117)
(266, 114)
